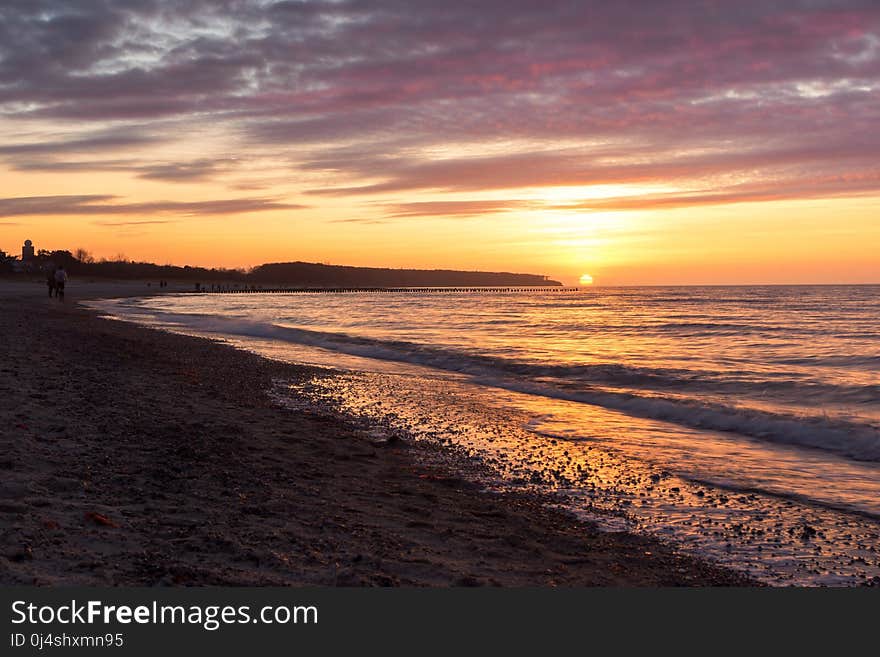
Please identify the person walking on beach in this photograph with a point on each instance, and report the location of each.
(60, 280)
(50, 281)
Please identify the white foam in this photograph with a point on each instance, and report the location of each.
(858, 441)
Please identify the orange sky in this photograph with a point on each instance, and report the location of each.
(793, 241)
(714, 149)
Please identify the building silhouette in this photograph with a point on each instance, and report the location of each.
(27, 251)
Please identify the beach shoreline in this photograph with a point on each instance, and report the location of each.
(133, 456)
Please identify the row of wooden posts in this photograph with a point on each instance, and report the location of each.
(375, 290)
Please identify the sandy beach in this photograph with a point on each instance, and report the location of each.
(131, 456)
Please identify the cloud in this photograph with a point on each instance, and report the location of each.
(602, 166)
(184, 171)
(194, 171)
(93, 204)
(116, 224)
(575, 93)
(72, 165)
(103, 141)
(42, 205)
(457, 208)
(828, 187)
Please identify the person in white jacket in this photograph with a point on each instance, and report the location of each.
(60, 280)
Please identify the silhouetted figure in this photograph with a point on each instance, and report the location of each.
(60, 280)
(50, 281)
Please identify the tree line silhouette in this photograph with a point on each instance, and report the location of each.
(304, 274)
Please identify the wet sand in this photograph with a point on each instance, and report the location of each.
(130, 456)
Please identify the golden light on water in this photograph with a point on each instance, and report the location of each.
(586, 279)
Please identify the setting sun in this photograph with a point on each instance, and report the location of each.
(586, 279)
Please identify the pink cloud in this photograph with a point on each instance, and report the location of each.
(644, 91)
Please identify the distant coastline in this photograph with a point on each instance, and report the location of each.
(300, 274)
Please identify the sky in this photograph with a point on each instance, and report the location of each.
(640, 142)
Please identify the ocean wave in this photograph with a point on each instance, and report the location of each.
(731, 381)
(850, 439)
(583, 383)
(765, 384)
(833, 360)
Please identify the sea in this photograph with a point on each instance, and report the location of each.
(739, 424)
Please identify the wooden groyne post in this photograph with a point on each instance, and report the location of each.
(225, 289)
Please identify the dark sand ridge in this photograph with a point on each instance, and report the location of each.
(130, 456)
